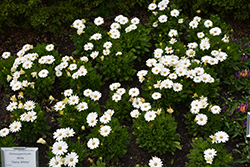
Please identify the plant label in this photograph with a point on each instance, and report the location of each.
(248, 124)
(19, 157)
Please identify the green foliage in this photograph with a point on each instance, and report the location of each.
(122, 107)
(32, 83)
(112, 146)
(196, 155)
(158, 135)
(75, 117)
(53, 16)
(86, 76)
(31, 131)
(245, 153)
(238, 9)
(7, 141)
(235, 117)
(5, 67)
(99, 163)
(126, 47)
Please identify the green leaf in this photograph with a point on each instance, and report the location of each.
(177, 145)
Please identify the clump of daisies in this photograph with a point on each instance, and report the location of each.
(123, 101)
(65, 152)
(28, 121)
(204, 118)
(113, 52)
(155, 130)
(108, 139)
(77, 111)
(166, 20)
(33, 70)
(210, 151)
(78, 74)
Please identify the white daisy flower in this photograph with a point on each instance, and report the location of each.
(27, 64)
(172, 33)
(77, 23)
(74, 99)
(4, 132)
(6, 55)
(71, 159)
(133, 92)
(15, 126)
(49, 47)
(150, 116)
(72, 67)
(121, 91)
(56, 161)
(194, 110)
(68, 92)
(135, 20)
(88, 46)
(155, 162)
(192, 45)
(135, 113)
(152, 6)
(29, 105)
(16, 86)
(208, 23)
(193, 24)
(95, 95)
(105, 118)
(162, 18)
(82, 106)
(109, 112)
(175, 13)
(23, 117)
(59, 148)
(12, 106)
(107, 45)
(94, 54)
(201, 119)
(200, 34)
(215, 31)
(59, 106)
(99, 21)
(69, 132)
(221, 137)
(115, 25)
(105, 130)
(59, 134)
(145, 106)
(31, 116)
(87, 92)
(156, 95)
(116, 97)
(137, 103)
(177, 87)
(167, 84)
(210, 152)
(43, 73)
(93, 143)
(92, 119)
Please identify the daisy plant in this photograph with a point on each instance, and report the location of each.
(108, 139)
(65, 152)
(166, 19)
(156, 131)
(203, 118)
(78, 74)
(244, 152)
(112, 52)
(122, 101)
(28, 121)
(210, 151)
(33, 70)
(78, 112)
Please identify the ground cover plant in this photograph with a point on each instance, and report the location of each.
(184, 68)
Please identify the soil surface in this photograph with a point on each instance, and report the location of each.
(13, 39)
